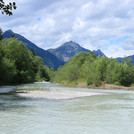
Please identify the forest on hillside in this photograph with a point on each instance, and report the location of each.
(95, 71)
(18, 64)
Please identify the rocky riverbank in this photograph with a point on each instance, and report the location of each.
(105, 86)
(57, 94)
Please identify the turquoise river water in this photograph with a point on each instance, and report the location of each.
(112, 113)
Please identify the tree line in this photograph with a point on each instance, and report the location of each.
(18, 64)
(95, 70)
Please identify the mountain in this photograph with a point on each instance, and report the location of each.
(99, 52)
(70, 49)
(120, 59)
(58, 56)
(49, 59)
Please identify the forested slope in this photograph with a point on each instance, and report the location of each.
(18, 64)
(95, 70)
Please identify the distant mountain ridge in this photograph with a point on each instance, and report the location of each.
(58, 56)
(67, 50)
(120, 59)
(49, 59)
(99, 52)
(70, 49)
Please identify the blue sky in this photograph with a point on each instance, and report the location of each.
(94, 24)
(115, 41)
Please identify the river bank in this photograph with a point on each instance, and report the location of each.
(56, 94)
(104, 86)
(114, 87)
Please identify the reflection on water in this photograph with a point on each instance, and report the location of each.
(107, 114)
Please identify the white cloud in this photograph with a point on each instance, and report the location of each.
(128, 44)
(64, 38)
(78, 24)
(91, 23)
(116, 51)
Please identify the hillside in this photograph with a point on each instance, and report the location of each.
(49, 59)
(19, 65)
(69, 49)
(55, 57)
(87, 68)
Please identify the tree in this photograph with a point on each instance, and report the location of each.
(101, 66)
(94, 75)
(7, 9)
(1, 34)
(15, 62)
(18, 64)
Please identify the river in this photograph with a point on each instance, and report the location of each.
(112, 113)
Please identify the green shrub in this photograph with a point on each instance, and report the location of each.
(117, 83)
(132, 85)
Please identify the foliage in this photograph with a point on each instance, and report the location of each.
(132, 85)
(1, 34)
(7, 9)
(121, 73)
(49, 59)
(51, 73)
(40, 69)
(94, 75)
(18, 65)
(96, 70)
(76, 68)
(117, 83)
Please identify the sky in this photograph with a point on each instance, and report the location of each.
(107, 25)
